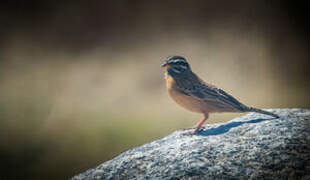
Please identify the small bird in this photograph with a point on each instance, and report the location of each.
(192, 93)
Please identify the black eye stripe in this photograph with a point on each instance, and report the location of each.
(181, 63)
(178, 68)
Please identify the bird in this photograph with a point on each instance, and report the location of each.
(192, 93)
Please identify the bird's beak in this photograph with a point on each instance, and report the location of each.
(165, 65)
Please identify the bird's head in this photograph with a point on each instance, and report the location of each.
(176, 65)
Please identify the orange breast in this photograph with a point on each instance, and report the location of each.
(187, 102)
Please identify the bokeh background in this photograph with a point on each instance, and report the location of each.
(80, 81)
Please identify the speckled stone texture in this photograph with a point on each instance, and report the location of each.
(254, 146)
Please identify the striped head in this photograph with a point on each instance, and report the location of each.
(176, 65)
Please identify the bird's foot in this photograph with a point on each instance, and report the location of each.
(194, 130)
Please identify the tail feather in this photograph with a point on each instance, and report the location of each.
(251, 109)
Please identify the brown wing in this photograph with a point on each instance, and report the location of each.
(210, 94)
(223, 98)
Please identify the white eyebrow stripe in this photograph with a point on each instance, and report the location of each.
(179, 60)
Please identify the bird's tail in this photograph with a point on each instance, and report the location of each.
(251, 109)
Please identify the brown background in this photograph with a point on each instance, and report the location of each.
(80, 81)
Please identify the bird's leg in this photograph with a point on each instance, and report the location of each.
(200, 123)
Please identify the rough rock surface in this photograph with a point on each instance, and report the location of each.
(254, 146)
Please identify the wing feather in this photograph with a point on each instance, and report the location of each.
(210, 94)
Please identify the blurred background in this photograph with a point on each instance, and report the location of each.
(80, 81)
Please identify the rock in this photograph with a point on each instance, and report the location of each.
(254, 146)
